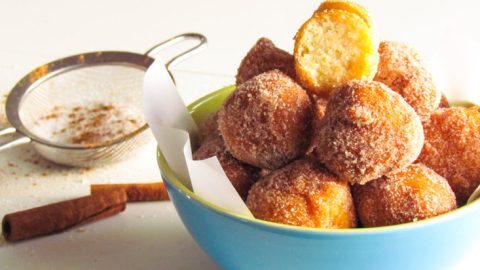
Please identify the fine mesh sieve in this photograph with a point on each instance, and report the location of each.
(86, 109)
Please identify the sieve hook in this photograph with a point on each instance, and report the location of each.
(176, 39)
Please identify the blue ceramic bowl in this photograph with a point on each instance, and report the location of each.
(237, 242)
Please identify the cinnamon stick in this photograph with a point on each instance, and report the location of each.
(61, 216)
(135, 191)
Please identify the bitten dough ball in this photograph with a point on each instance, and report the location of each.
(332, 47)
(241, 175)
(266, 121)
(413, 194)
(303, 193)
(452, 148)
(368, 131)
(263, 57)
(401, 69)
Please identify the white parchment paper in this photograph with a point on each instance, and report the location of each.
(173, 128)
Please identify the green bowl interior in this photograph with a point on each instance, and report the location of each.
(206, 105)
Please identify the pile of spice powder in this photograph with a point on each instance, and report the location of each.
(92, 124)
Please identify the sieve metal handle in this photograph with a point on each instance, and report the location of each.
(13, 142)
(202, 42)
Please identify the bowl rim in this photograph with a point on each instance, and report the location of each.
(169, 176)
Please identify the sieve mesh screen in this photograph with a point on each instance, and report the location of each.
(87, 105)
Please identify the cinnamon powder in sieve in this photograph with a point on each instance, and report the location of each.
(91, 124)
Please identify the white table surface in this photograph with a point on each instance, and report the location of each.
(151, 235)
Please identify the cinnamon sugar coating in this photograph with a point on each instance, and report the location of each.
(412, 194)
(266, 121)
(241, 175)
(209, 148)
(211, 142)
(444, 102)
(262, 57)
(303, 193)
(368, 131)
(319, 108)
(452, 148)
(401, 69)
(209, 129)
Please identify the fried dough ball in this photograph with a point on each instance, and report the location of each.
(332, 47)
(452, 148)
(412, 194)
(209, 129)
(264, 172)
(444, 102)
(368, 131)
(209, 148)
(241, 175)
(319, 109)
(211, 142)
(401, 69)
(263, 57)
(266, 121)
(303, 193)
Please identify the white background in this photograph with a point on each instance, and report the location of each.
(150, 235)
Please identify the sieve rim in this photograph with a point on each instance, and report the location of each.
(49, 70)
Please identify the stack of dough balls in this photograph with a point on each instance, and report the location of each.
(348, 131)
